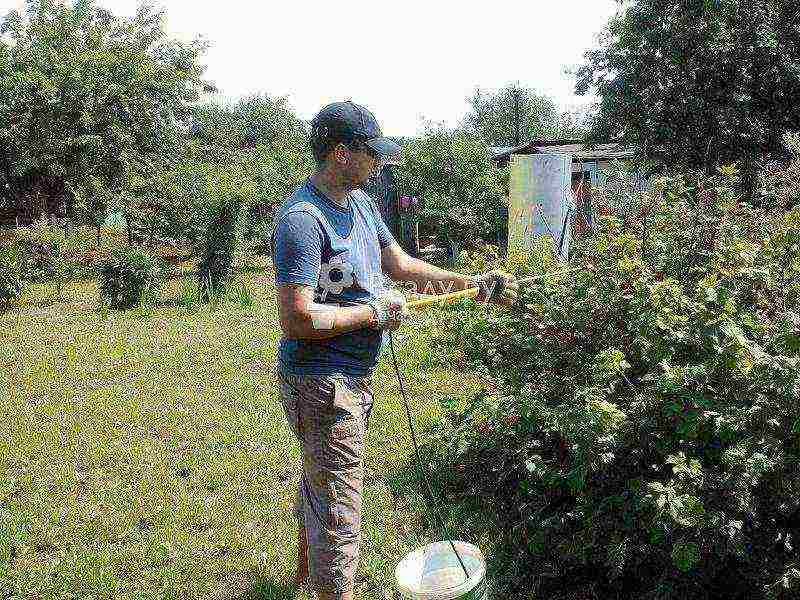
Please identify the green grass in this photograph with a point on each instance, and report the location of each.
(145, 454)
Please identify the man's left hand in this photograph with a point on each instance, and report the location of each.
(498, 287)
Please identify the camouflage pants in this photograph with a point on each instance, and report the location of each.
(329, 415)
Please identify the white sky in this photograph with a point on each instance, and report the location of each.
(405, 60)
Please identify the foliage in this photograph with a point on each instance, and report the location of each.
(699, 83)
(461, 190)
(643, 432)
(128, 277)
(229, 192)
(621, 192)
(258, 140)
(512, 116)
(171, 205)
(11, 276)
(88, 101)
(39, 247)
(268, 139)
(779, 181)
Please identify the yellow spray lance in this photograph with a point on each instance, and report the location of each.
(443, 299)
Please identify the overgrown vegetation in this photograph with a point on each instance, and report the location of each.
(643, 438)
(130, 277)
(90, 102)
(11, 280)
(226, 215)
(696, 84)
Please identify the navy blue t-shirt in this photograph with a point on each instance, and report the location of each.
(337, 251)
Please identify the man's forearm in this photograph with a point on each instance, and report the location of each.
(430, 279)
(322, 321)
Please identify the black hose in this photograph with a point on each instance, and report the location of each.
(421, 473)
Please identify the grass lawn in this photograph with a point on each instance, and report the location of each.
(146, 455)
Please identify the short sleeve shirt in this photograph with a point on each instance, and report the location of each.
(337, 251)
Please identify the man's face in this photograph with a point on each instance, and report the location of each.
(362, 164)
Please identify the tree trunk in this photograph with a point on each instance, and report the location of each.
(749, 178)
(152, 236)
(454, 250)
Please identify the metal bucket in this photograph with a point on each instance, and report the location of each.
(434, 573)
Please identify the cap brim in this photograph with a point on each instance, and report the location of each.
(384, 147)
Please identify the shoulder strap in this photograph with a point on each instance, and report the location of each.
(372, 206)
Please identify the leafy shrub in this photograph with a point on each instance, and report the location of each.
(40, 249)
(80, 249)
(779, 183)
(259, 232)
(645, 432)
(224, 231)
(128, 276)
(11, 280)
(188, 296)
(621, 192)
(48, 256)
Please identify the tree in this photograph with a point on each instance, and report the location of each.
(513, 115)
(698, 83)
(462, 191)
(88, 102)
(267, 139)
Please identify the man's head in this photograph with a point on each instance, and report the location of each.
(346, 139)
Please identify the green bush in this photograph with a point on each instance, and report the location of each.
(230, 191)
(81, 252)
(644, 438)
(40, 251)
(128, 276)
(11, 280)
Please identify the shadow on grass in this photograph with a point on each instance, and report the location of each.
(254, 587)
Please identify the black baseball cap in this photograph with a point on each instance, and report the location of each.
(349, 121)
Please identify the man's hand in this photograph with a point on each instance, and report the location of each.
(390, 310)
(498, 287)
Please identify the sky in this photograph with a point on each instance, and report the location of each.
(407, 60)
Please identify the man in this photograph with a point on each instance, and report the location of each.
(331, 250)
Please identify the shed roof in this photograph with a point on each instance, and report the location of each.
(579, 149)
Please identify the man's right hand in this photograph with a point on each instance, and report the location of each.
(389, 310)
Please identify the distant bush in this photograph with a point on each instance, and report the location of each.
(128, 276)
(39, 247)
(461, 191)
(229, 193)
(643, 436)
(82, 251)
(11, 280)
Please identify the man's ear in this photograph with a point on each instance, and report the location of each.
(340, 155)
